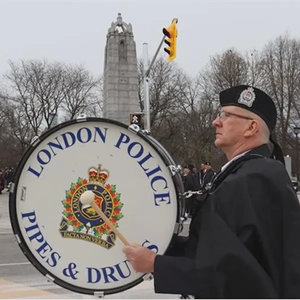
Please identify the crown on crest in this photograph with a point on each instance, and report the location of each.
(97, 175)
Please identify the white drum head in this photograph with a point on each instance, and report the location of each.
(69, 241)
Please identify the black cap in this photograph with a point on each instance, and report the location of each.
(252, 99)
(208, 164)
(258, 102)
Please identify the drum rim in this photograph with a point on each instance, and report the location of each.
(14, 220)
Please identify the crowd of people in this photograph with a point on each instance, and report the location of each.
(6, 177)
(195, 180)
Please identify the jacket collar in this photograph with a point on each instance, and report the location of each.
(261, 150)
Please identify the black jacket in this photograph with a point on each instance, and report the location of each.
(191, 182)
(207, 177)
(244, 242)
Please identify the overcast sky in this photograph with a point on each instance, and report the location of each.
(74, 32)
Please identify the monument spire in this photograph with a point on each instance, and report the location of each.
(120, 97)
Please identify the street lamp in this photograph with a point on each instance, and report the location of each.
(297, 131)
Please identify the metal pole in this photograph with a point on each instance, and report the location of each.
(155, 55)
(297, 158)
(146, 81)
(146, 87)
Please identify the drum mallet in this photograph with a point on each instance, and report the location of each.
(88, 198)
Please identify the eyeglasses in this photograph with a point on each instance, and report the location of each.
(223, 115)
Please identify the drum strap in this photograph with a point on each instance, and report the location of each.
(222, 175)
(232, 168)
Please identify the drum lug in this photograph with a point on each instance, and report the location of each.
(148, 276)
(146, 132)
(178, 227)
(81, 118)
(17, 239)
(99, 294)
(12, 188)
(34, 140)
(174, 169)
(134, 128)
(49, 278)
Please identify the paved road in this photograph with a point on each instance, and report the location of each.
(19, 279)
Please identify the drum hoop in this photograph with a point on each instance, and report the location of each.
(13, 209)
(179, 189)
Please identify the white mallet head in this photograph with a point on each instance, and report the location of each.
(87, 197)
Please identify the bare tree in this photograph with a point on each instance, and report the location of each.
(20, 129)
(15, 133)
(227, 70)
(82, 92)
(163, 87)
(255, 69)
(281, 79)
(37, 90)
(43, 90)
(94, 106)
(4, 134)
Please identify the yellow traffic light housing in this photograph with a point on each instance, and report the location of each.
(171, 34)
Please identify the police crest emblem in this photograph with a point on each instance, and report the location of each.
(247, 97)
(81, 221)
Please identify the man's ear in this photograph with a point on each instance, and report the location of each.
(253, 128)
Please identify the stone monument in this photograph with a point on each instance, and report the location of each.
(120, 89)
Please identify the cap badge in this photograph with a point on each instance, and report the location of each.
(247, 97)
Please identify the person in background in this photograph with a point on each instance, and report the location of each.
(191, 183)
(201, 174)
(208, 175)
(185, 171)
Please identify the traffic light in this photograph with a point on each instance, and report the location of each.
(171, 34)
(137, 118)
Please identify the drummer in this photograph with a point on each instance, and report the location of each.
(244, 242)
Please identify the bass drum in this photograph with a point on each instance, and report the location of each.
(136, 185)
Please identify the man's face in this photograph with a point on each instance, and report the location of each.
(230, 125)
(202, 166)
(186, 171)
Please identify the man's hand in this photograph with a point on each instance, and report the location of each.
(141, 258)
